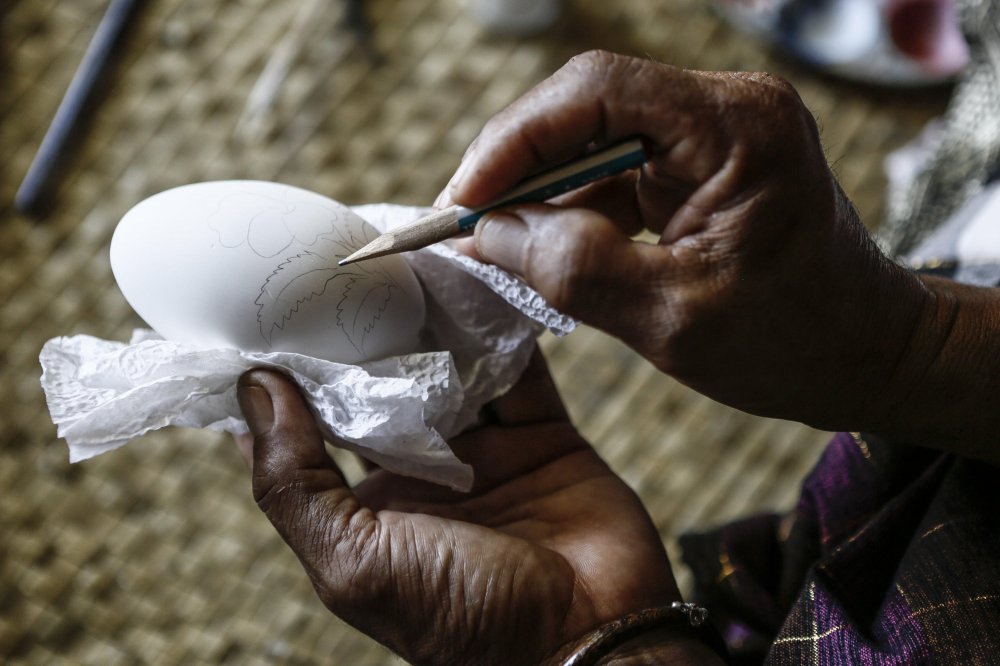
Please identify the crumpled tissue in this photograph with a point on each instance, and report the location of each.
(397, 412)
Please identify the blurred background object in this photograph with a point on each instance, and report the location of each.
(155, 553)
(904, 43)
(37, 188)
(315, 23)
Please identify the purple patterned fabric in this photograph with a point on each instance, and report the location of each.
(892, 556)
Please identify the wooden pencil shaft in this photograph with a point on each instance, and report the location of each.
(41, 174)
(433, 228)
(444, 224)
(430, 229)
(564, 178)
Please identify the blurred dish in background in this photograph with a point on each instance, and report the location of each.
(880, 42)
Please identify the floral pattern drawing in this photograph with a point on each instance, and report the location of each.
(364, 289)
(275, 225)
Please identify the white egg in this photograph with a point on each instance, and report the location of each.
(253, 266)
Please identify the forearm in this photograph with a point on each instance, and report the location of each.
(945, 390)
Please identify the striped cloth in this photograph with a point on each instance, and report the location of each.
(892, 556)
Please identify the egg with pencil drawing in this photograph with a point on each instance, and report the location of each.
(252, 265)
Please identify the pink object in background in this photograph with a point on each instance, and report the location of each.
(927, 32)
(879, 42)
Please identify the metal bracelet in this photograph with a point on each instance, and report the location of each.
(588, 649)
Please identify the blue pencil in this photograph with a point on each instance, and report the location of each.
(449, 222)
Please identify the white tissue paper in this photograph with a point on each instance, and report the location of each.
(397, 412)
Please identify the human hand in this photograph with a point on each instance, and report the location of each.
(548, 545)
(763, 291)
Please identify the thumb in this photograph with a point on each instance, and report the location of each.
(581, 262)
(298, 486)
(288, 450)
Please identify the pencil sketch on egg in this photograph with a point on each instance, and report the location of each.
(273, 227)
(269, 225)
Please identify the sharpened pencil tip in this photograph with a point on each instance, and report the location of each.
(351, 258)
(379, 247)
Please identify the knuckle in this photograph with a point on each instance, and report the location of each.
(598, 67)
(772, 91)
(561, 283)
(338, 544)
(565, 282)
(272, 491)
(287, 490)
(783, 98)
(775, 81)
(594, 59)
(768, 97)
(350, 569)
(270, 477)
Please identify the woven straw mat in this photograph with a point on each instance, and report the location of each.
(156, 553)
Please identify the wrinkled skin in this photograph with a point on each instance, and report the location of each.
(763, 290)
(548, 545)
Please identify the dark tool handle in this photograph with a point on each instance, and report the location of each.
(37, 182)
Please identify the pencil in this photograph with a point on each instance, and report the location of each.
(444, 224)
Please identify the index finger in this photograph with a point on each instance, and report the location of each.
(596, 98)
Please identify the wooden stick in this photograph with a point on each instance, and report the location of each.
(38, 182)
(265, 91)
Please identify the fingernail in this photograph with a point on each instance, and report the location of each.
(466, 246)
(443, 200)
(502, 239)
(460, 174)
(255, 402)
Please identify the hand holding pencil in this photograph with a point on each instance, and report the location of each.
(441, 225)
(751, 225)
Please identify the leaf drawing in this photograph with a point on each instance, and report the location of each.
(361, 308)
(346, 242)
(363, 291)
(294, 282)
